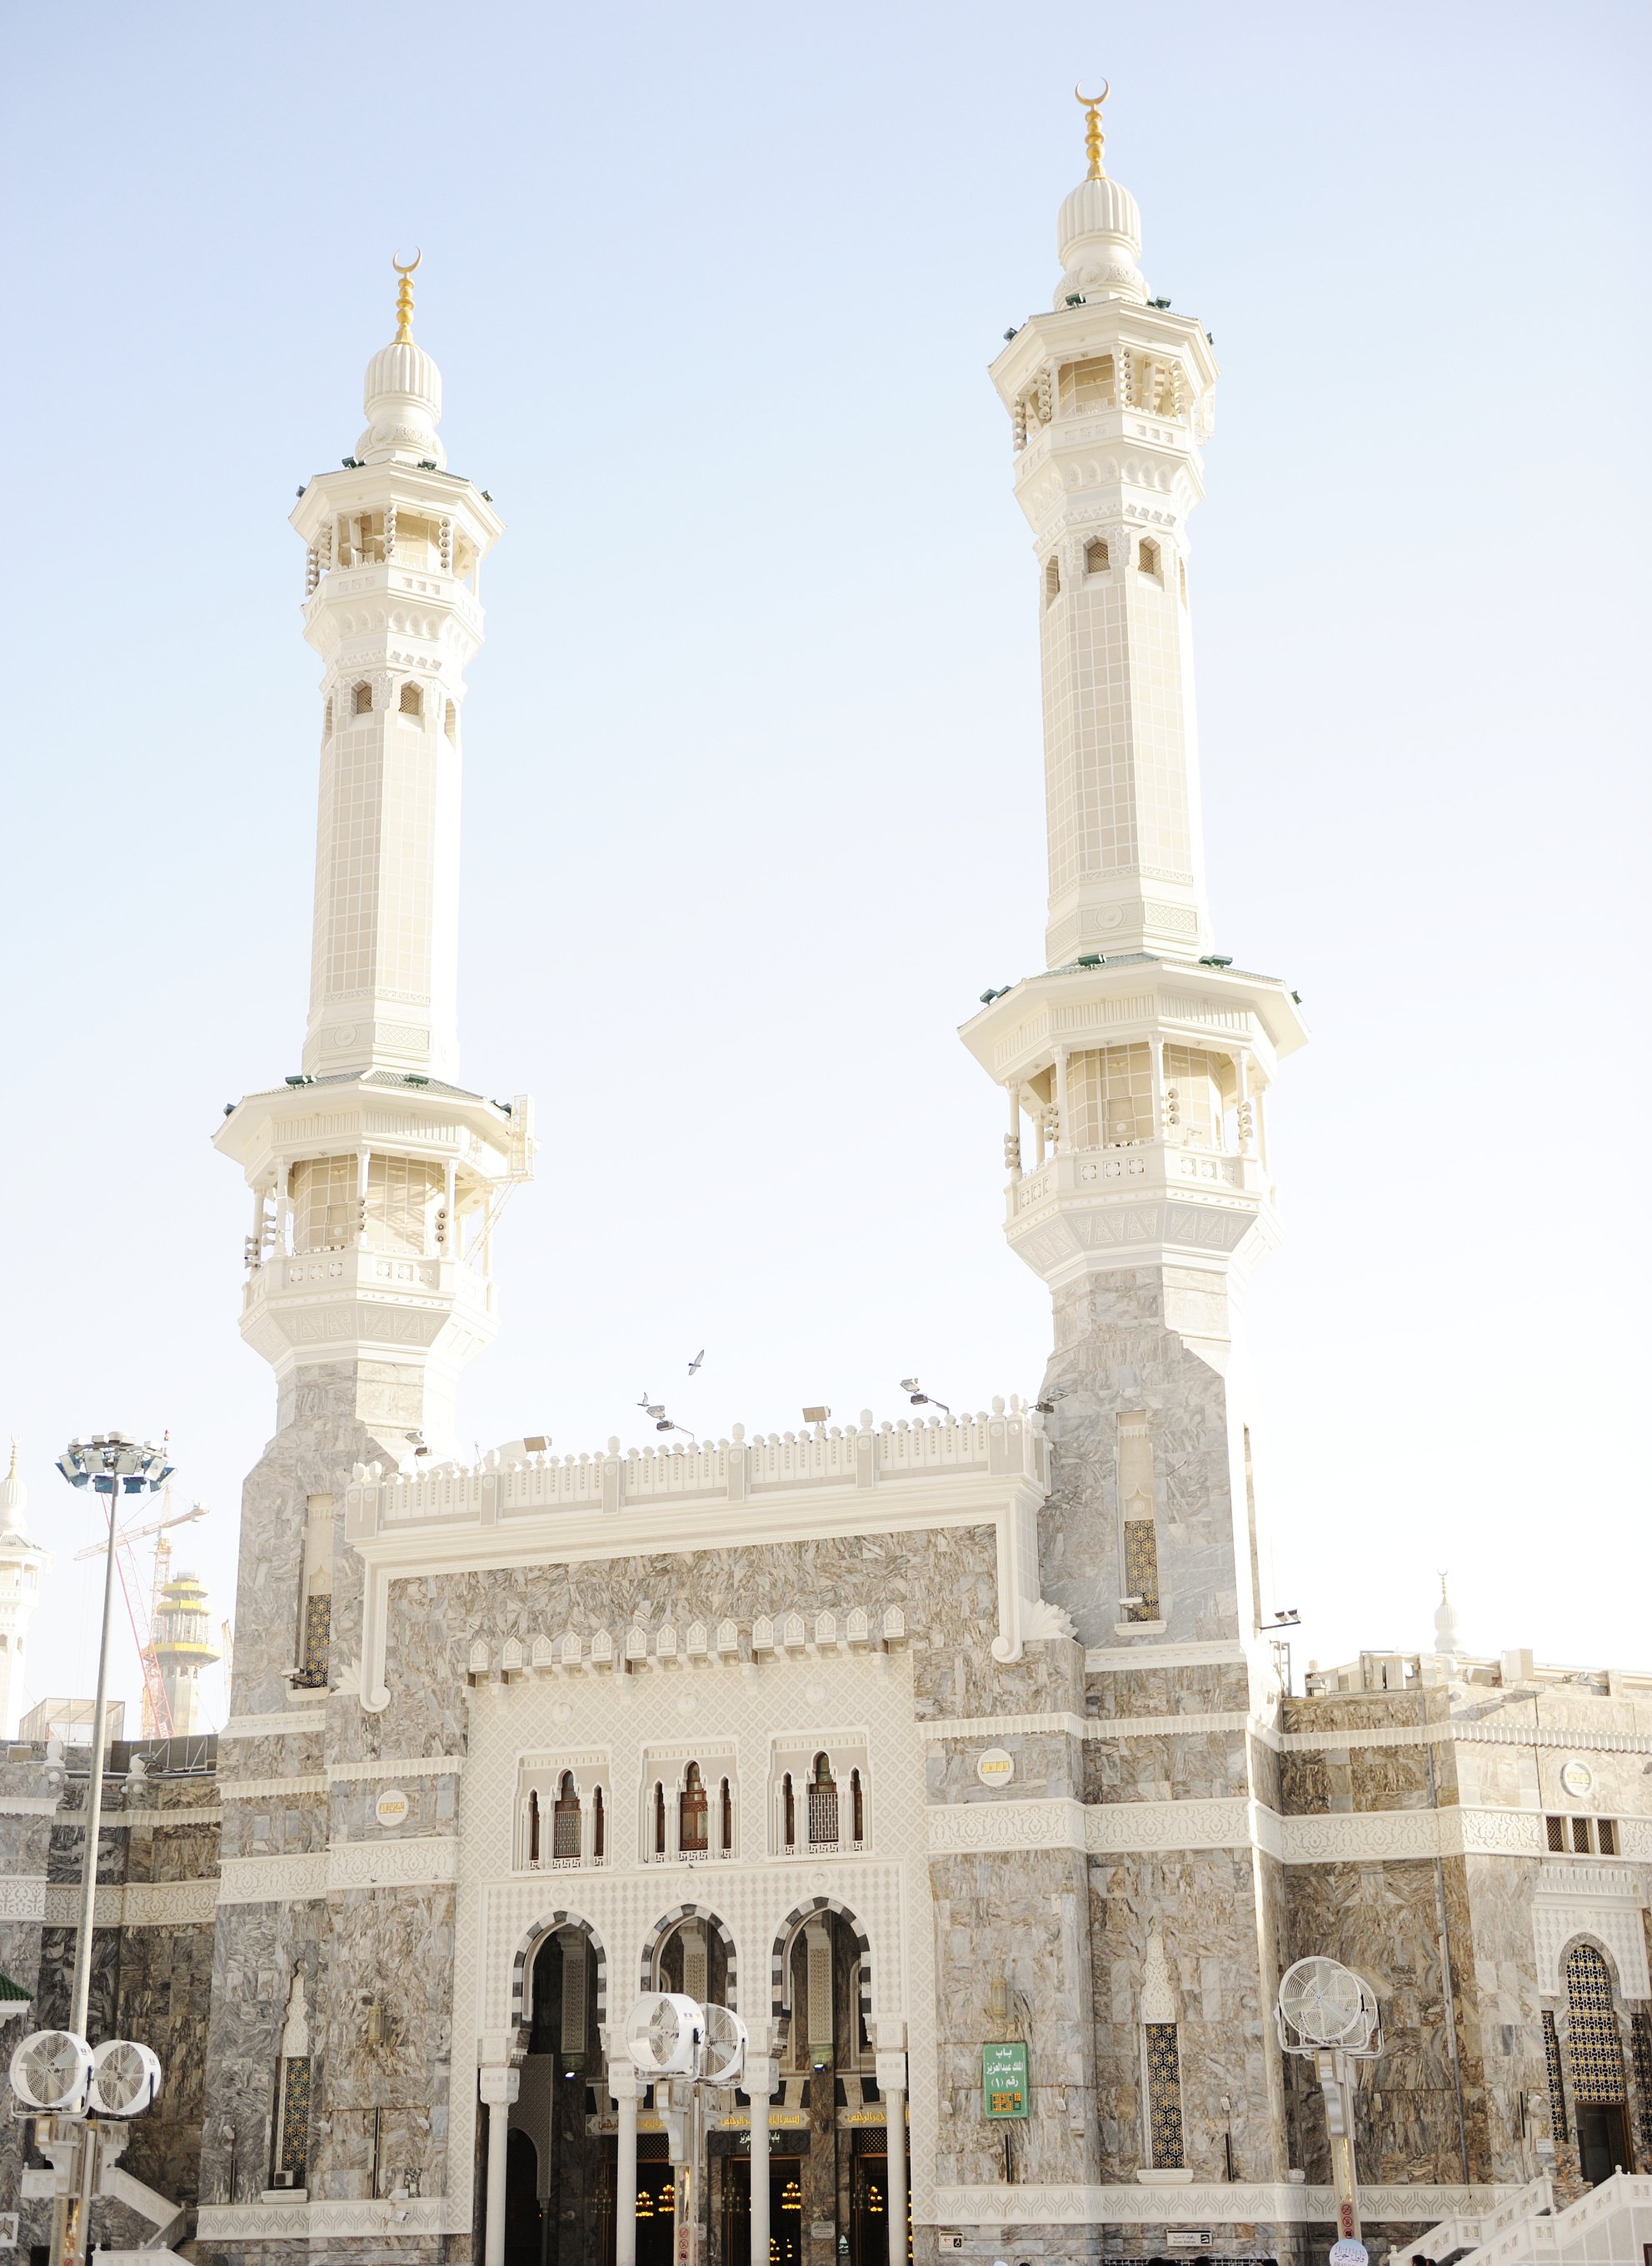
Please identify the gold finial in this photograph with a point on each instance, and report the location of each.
(1093, 137)
(404, 299)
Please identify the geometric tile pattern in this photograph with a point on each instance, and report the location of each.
(295, 2132)
(1164, 2096)
(1592, 2038)
(1557, 2091)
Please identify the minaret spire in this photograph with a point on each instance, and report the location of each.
(1135, 1067)
(1094, 137)
(384, 1183)
(404, 298)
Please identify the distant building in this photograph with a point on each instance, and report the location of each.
(182, 1644)
(24, 1565)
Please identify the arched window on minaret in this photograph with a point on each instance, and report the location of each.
(413, 701)
(1052, 579)
(451, 721)
(691, 1816)
(822, 1804)
(1147, 557)
(1138, 1525)
(326, 722)
(364, 698)
(565, 1823)
(1095, 557)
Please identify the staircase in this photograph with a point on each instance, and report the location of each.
(1612, 2225)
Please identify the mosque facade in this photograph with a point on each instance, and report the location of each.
(958, 1756)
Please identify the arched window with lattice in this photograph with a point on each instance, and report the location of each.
(564, 1822)
(362, 697)
(1595, 2049)
(693, 1814)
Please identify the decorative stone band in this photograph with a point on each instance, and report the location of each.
(422, 1861)
(275, 1789)
(390, 1766)
(136, 1904)
(272, 1726)
(1283, 2202)
(1099, 1729)
(1356, 1836)
(23, 1897)
(411, 2220)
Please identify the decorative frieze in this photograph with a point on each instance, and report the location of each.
(421, 1861)
(1227, 2203)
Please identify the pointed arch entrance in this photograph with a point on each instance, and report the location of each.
(560, 2172)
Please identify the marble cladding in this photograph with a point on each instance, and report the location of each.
(1117, 1350)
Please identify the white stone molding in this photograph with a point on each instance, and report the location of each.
(1158, 1993)
(135, 1903)
(275, 1789)
(265, 1727)
(1104, 1659)
(23, 1897)
(1116, 1827)
(972, 1825)
(1223, 2204)
(404, 2220)
(36, 1805)
(272, 1880)
(378, 1767)
(1605, 1903)
(421, 1860)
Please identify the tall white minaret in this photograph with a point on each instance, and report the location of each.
(373, 1176)
(24, 1565)
(1134, 1067)
(182, 1640)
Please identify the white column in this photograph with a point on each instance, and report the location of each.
(1063, 1139)
(622, 2083)
(760, 2079)
(892, 2091)
(498, 2088)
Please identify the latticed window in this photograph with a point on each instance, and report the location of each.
(1083, 385)
(1592, 2037)
(363, 698)
(1164, 2097)
(313, 1674)
(823, 1805)
(413, 701)
(1095, 557)
(692, 1818)
(564, 1821)
(292, 2124)
(1052, 579)
(1147, 556)
(1137, 1519)
(1193, 1098)
(1110, 1097)
(324, 1195)
(402, 1194)
(1552, 2062)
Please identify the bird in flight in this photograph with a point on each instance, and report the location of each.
(698, 1359)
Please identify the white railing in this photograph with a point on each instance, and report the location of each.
(1008, 1439)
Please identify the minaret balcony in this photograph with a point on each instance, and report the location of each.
(1148, 1196)
(360, 1295)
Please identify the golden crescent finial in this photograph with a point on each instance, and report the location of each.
(404, 296)
(1093, 137)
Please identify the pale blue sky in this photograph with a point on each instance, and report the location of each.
(753, 803)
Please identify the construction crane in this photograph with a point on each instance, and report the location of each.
(156, 1722)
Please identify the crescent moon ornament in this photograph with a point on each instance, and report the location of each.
(1093, 137)
(405, 297)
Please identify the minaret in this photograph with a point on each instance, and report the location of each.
(1138, 1062)
(376, 1178)
(183, 1646)
(24, 1565)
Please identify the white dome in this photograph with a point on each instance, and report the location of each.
(402, 395)
(1099, 236)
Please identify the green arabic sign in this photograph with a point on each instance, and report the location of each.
(1003, 2079)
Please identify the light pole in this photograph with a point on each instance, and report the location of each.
(110, 1465)
(1328, 2013)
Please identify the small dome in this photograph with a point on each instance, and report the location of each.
(402, 395)
(1099, 236)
